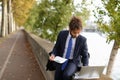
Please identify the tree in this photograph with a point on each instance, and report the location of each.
(4, 26)
(111, 27)
(20, 9)
(32, 18)
(10, 17)
(0, 18)
(53, 16)
(6, 18)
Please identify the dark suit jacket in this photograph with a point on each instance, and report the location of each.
(80, 51)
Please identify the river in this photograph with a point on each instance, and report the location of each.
(100, 52)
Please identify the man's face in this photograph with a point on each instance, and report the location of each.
(75, 33)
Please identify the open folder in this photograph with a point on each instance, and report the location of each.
(59, 59)
(89, 72)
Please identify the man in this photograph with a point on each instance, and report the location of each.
(71, 45)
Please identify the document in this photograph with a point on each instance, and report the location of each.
(59, 59)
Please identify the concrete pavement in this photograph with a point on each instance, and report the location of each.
(17, 61)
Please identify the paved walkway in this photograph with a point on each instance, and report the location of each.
(17, 61)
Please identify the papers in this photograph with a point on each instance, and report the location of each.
(59, 59)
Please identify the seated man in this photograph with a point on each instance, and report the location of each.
(72, 46)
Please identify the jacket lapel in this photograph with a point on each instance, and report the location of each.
(77, 46)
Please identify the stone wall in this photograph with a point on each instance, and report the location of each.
(41, 48)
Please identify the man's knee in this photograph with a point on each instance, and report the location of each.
(67, 76)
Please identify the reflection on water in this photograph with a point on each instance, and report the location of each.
(100, 51)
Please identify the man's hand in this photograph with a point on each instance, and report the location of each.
(52, 57)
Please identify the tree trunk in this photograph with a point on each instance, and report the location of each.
(112, 58)
(9, 17)
(0, 25)
(0, 28)
(12, 22)
(4, 18)
(13, 26)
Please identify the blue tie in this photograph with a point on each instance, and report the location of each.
(67, 53)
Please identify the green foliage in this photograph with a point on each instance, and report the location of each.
(21, 10)
(50, 16)
(32, 18)
(111, 27)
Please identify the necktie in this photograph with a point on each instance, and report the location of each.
(67, 53)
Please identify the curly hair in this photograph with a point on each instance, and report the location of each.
(75, 23)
